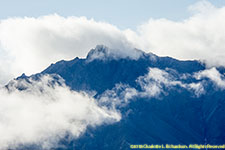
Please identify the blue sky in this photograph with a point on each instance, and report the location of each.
(122, 13)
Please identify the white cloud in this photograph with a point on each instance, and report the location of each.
(197, 88)
(214, 75)
(200, 36)
(152, 84)
(31, 44)
(44, 113)
(119, 96)
(202, 6)
(102, 52)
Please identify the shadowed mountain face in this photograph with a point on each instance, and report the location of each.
(171, 104)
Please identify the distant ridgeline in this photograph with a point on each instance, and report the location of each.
(162, 100)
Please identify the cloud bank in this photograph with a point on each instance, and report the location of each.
(200, 36)
(44, 113)
(30, 44)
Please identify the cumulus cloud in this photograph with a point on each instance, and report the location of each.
(45, 112)
(31, 44)
(201, 36)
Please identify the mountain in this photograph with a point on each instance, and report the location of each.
(175, 102)
(102, 74)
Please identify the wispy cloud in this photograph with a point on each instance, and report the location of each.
(155, 84)
(214, 75)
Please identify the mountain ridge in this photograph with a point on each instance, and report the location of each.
(125, 64)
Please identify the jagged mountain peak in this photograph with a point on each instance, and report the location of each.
(98, 52)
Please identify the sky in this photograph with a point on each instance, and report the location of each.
(124, 14)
